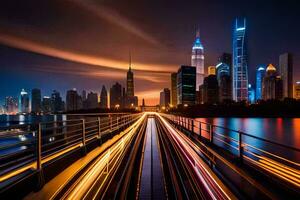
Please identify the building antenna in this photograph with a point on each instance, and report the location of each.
(129, 60)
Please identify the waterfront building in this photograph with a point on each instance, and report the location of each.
(92, 100)
(210, 90)
(11, 105)
(297, 90)
(212, 70)
(57, 102)
(240, 66)
(260, 74)
(286, 73)
(186, 85)
(46, 105)
(173, 89)
(197, 59)
(116, 96)
(103, 98)
(272, 84)
(36, 100)
(251, 94)
(165, 98)
(24, 102)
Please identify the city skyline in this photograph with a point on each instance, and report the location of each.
(152, 63)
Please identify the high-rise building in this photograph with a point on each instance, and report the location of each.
(286, 73)
(212, 70)
(174, 89)
(103, 98)
(57, 102)
(165, 97)
(186, 85)
(47, 104)
(11, 105)
(197, 60)
(272, 84)
(83, 95)
(223, 72)
(130, 81)
(260, 74)
(210, 90)
(36, 100)
(240, 66)
(116, 96)
(73, 100)
(92, 100)
(297, 90)
(251, 94)
(24, 102)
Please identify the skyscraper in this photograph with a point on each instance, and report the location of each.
(47, 104)
(130, 81)
(92, 100)
(186, 85)
(223, 72)
(103, 98)
(116, 96)
(83, 95)
(24, 102)
(57, 102)
(260, 74)
(73, 100)
(197, 60)
(165, 97)
(210, 90)
(174, 89)
(272, 84)
(286, 73)
(36, 100)
(240, 67)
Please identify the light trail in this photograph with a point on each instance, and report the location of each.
(101, 166)
(215, 188)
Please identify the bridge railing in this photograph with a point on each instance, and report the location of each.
(272, 157)
(29, 146)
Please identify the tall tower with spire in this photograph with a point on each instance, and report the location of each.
(130, 83)
(197, 60)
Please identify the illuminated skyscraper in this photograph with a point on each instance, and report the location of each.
(57, 102)
(223, 72)
(286, 73)
(251, 94)
(115, 96)
(197, 60)
(24, 102)
(240, 67)
(186, 85)
(272, 84)
(260, 74)
(174, 89)
(165, 97)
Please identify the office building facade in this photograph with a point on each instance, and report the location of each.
(186, 85)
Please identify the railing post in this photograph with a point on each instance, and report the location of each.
(240, 147)
(83, 137)
(118, 121)
(40, 174)
(211, 132)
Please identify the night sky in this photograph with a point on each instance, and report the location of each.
(83, 44)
